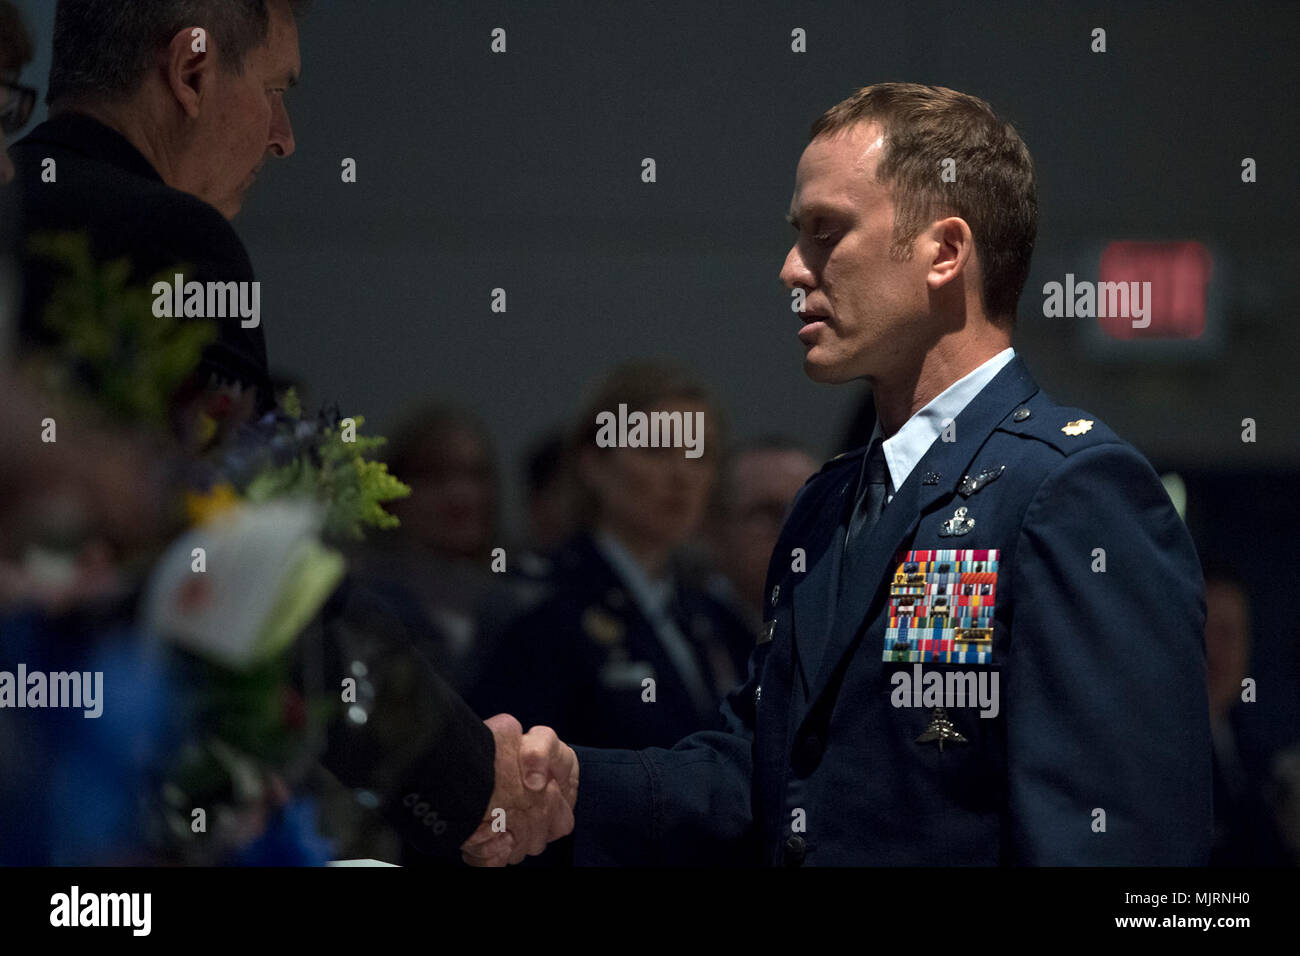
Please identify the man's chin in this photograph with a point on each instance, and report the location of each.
(233, 203)
(825, 372)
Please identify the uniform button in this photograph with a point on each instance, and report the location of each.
(1021, 413)
(776, 592)
(758, 693)
(795, 850)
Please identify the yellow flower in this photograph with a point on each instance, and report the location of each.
(207, 427)
(203, 508)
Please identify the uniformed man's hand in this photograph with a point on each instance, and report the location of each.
(532, 804)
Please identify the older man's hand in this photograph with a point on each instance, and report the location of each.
(532, 803)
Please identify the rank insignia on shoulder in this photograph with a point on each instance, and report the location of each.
(973, 483)
(943, 611)
(1079, 426)
(601, 626)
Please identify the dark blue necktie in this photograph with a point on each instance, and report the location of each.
(873, 485)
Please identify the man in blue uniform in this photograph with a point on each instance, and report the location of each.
(984, 631)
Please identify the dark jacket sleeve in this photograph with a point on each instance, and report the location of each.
(687, 806)
(406, 738)
(1107, 708)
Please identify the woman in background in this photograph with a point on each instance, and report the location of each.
(626, 649)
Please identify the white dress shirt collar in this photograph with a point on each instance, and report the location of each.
(909, 444)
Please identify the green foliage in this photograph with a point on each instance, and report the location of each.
(357, 487)
(291, 404)
(110, 348)
(335, 472)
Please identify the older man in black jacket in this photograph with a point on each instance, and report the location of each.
(152, 145)
(161, 117)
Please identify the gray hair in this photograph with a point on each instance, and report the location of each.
(105, 47)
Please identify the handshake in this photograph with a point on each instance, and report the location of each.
(532, 802)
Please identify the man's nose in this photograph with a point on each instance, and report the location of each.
(281, 143)
(795, 271)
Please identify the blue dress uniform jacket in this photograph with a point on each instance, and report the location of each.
(1099, 752)
(576, 660)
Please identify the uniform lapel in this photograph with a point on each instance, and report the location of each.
(822, 538)
(868, 564)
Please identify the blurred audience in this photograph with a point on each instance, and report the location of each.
(552, 499)
(445, 454)
(441, 557)
(16, 100)
(1286, 771)
(1245, 812)
(758, 486)
(624, 651)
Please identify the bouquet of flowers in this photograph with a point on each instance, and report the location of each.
(232, 595)
(286, 456)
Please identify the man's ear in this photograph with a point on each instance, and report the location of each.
(953, 248)
(189, 65)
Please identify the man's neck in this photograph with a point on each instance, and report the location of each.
(911, 388)
(124, 118)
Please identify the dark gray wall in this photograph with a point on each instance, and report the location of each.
(522, 171)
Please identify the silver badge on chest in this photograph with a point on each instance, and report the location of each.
(957, 525)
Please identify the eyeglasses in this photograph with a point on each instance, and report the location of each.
(16, 106)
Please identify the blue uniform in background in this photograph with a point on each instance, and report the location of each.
(1036, 547)
(578, 660)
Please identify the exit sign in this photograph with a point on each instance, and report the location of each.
(1172, 278)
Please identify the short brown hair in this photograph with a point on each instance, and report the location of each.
(103, 48)
(994, 191)
(15, 42)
